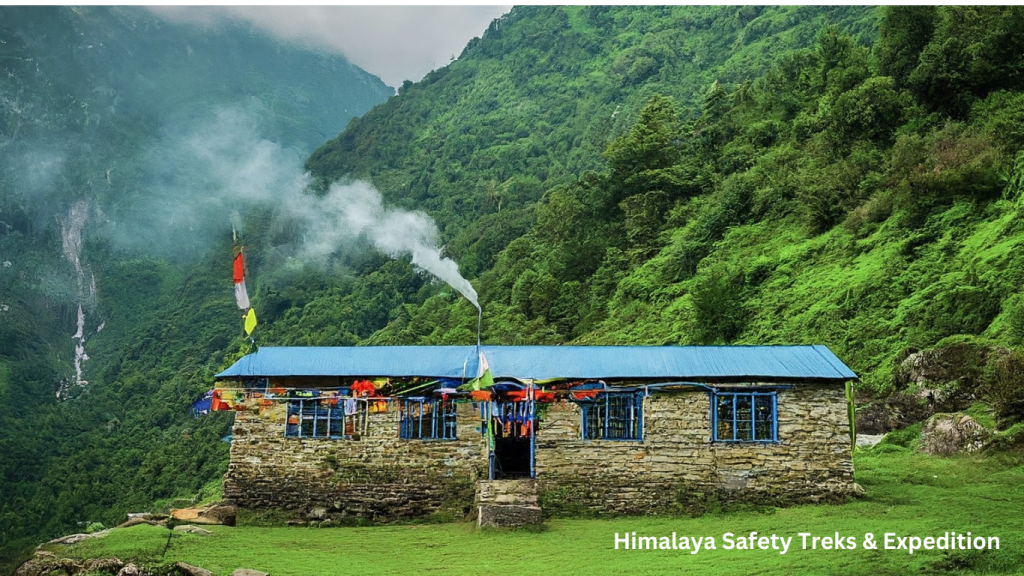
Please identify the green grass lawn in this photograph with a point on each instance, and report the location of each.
(906, 493)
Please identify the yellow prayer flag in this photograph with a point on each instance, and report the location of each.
(250, 322)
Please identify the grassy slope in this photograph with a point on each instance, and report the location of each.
(868, 294)
(907, 493)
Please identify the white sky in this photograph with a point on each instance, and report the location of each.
(394, 42)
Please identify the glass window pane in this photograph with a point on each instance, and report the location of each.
(744, 430)
(763, 418)
(724, 417)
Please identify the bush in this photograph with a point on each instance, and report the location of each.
(719, 314)
(1004, 381)
(1013, 307)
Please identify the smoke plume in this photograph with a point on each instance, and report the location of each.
(203, 179)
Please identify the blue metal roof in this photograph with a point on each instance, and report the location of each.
(721, 363)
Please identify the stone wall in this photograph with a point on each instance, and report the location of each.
(676, 468)
(378, 477)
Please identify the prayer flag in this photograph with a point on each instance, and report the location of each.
(239, 268)
(238, 272)
(484, 378)
(250, 322)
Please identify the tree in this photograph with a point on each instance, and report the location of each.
(903, 32)
(652, 146)
(973, 51)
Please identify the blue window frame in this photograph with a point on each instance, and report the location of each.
(427, 419)
(614, 416)
(321, 419)
(744, 417)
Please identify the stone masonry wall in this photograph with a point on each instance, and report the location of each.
(676, 468)
(378, 477)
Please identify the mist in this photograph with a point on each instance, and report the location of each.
(201, 179)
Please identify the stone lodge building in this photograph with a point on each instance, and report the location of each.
(396, 432)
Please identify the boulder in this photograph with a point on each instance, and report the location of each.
(248, 572)
(190, 529)
(130, 570)
(223, 514)
(947, 434)
(190, 570)
(135, 522)
(103, 565)
(897, 411)
(946, 377)
(40, 566)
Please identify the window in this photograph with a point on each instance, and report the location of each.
(316, 418)
(744, 417)
(614, 416)
(427, 419)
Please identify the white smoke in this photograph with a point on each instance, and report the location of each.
(355, 210)
(203, 179)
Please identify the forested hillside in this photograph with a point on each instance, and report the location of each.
(844, 176)
(114, 127)
(847, 176)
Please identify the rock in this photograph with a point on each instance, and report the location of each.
(867, 440)
(947, 434)
(141, 515)
(130, 570)
(946, 377)
(224, 514)
(248, 572)
(135, 522)
(190, 570)
(897, 411)
(109, 565)
(190, 529)
(45, 566)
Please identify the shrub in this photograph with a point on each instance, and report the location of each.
(1004, 381)
(719, 314)
(1013, 308)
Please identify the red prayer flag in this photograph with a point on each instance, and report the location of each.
(239, 269)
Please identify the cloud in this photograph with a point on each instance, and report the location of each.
(396, 43)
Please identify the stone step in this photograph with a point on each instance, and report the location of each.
(507, 503)
(508, 516)
(510, 492)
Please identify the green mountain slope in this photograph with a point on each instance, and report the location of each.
(725, 174)
(102, 181)
(534, 102)
(636, 175)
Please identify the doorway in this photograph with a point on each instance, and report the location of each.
(512, 427)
